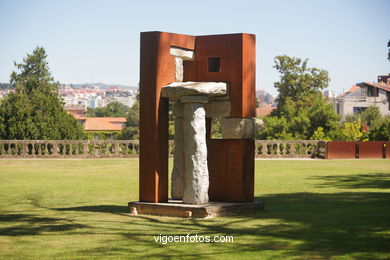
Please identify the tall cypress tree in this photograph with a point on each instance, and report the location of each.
(34, 110)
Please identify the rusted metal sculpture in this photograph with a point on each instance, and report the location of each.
(210, 76)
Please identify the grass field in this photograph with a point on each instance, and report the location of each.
(315, 209)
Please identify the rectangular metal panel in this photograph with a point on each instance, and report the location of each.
(231, 170)
(373, 149)
(341, 150)
(157, 69)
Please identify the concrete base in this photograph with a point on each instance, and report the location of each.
(176, 208)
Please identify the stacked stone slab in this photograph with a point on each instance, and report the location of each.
(190, 178)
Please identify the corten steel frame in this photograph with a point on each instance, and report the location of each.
(230, 161)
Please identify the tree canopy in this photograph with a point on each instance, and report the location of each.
(302, 112)
(374, 126)
(34, 109)
(297, 80)
(113, 109)
(131, 130)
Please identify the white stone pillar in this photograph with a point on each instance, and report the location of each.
(178, 171)
(179, 69)
(195, 150)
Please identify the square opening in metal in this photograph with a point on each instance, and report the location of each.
(214, 64)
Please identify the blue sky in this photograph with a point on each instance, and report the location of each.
(98, 41)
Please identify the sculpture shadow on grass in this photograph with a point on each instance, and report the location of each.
(30, 225)
(320, 225)
(369, 181)
(329, 224)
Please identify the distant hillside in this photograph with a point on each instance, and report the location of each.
(103, 85)
(5, 86)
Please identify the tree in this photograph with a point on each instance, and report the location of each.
(113, 109)
(131, 130)
(319, 134)
(302, 112)
(297, 80)
(370, 117)
(274, 128)
(350, 131)
(381, 131)
(34, 110)
(375, 126)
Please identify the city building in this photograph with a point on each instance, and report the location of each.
(92, 96)
(363, 95)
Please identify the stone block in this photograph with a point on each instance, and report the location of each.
(178, 69)
(218, 108)
(175, 208)
(238, 128)
(182, 53)
(176, 90)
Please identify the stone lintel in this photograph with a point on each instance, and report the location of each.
(238, 128)
(194, 99)
(182, 53)
(176, 90)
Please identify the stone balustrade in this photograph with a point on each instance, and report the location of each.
(287, 148)
(322, 150)
(130, 148)
(68, 148)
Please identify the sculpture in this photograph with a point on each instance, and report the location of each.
(207, 77)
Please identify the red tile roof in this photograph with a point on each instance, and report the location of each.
(353, 89)
(264, 111)
(103, 123)
(379, 85)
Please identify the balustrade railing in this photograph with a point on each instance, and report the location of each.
(286, 148)
(69, 148)
(130, 148)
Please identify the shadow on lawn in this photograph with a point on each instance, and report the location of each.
(330, 224)
(28, 224)
(321, 225)
(311, 225)
(372, 180)
(99, 208)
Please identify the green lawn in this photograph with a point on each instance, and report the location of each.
(315, 209)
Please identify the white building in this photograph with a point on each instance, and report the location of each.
(128, 101)
(364, 95)
(93, 96)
